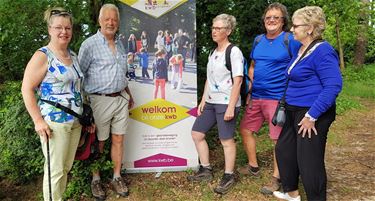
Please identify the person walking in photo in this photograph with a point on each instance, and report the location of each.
(159, 41)
(132, 44)
(176, 64)
(314, 82)
(143, 60)
(55, 73)
(168, 40)
(103, 61)
(160, 73)
(145, 40)
(181, 42)
(131, 67)
(220, 104)
(270, 56)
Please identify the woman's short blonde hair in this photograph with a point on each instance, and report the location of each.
(228, 20)
(314, 16)
(51, 13)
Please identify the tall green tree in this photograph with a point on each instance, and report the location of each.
(362, 37)
(342, 22)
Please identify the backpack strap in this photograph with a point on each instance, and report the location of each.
(228, 63)
(256, 42)
(286, 43)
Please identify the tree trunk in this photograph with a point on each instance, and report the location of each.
(339, 44)
(362, 40)
(95, 7)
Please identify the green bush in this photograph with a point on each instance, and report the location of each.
(81, 174)
(21, 155)
(345, 103)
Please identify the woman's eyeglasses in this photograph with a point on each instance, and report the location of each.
(60, 13)
(60, 29)
(218, 28)
(295, 26)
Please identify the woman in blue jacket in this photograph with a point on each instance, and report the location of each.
(314, 84)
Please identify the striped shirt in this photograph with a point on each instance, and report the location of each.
(104, 71)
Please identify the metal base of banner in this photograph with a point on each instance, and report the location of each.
(157, 175)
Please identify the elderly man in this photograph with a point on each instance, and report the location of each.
(103, 61)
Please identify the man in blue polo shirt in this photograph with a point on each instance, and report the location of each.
(270, 56)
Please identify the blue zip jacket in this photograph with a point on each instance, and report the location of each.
(315, 81)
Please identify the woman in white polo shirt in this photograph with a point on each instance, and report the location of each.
(220, 104)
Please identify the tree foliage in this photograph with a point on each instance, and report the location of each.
(23, 30)
(345, 12)
(21, 33)
(21, 158)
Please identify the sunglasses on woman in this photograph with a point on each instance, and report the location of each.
(60, 13)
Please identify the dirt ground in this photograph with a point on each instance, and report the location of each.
(350, 162)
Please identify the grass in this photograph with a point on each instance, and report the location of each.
(360, 89)
(174, 186)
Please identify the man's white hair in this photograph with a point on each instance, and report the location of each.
(109, 6)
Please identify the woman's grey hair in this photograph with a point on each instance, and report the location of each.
(314, 16)
(59, 12)
(284, 11)
(109, 6)
(228, 20)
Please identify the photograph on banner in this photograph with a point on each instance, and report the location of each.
(160, 40)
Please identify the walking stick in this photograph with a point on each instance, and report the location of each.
(49, 171)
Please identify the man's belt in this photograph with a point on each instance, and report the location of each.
(110, 95)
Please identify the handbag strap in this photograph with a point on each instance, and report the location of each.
(61, 107)
(282, 101)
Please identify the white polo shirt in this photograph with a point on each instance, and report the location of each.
(219, 79)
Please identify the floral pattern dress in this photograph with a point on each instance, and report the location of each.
(62, 84)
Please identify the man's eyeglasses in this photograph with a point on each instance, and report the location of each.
(295, 26)
(60, 13)
(276, 18)
(218, 28)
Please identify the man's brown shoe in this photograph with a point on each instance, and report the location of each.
(274, 185)
(97, 190)
(120, 187)
(249, 170)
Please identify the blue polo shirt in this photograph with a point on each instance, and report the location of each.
(271, 59)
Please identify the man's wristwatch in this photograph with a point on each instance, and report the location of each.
(309, 117)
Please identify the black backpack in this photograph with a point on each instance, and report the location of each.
(286, 42)
(245, 90)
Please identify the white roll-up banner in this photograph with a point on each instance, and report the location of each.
(158, 137)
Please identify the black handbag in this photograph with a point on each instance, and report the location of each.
(279, 117)
(88, 147)
(85, 119)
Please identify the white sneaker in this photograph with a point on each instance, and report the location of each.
(286, 196)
